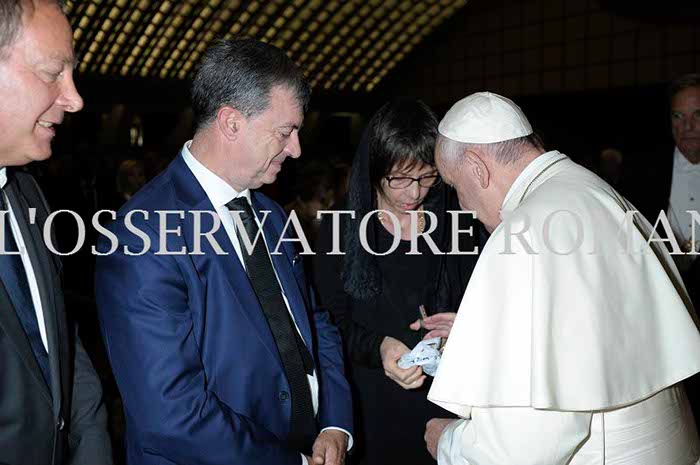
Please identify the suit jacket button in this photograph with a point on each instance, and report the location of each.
(60, 424)
(284, 395)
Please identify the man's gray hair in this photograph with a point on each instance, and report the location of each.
(683, 82)
(241, 73)
(504, 153)
(11, 12)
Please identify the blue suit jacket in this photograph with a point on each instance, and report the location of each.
(196, 364)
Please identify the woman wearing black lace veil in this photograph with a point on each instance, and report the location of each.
(374, 299)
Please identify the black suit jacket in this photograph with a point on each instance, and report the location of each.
(67, 423)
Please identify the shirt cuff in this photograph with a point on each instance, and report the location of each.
(350, 440)
(449, 446)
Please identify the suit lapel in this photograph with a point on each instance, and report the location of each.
(8, 315)
(192, 197)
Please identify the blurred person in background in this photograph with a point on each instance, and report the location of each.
(314, 191)
(130, 178)
(610, 167)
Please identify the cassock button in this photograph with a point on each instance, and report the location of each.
(60, 424)
(284, 395)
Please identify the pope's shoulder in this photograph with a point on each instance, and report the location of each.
(572, 187)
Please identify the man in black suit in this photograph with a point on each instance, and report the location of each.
(51, 409)
(683, 193)
(673, 186)
(677, 160)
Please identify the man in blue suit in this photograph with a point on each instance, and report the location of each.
(219, 351)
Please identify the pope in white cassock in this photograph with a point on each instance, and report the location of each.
(574, 333)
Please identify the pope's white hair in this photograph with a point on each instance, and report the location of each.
(504, 153)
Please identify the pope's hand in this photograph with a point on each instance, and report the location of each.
(330, 448)
(438, 325)
(433, 431)
(391, 351)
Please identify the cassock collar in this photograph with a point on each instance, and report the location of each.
(3, 177)
(536, 166)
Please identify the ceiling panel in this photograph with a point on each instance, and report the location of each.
(347, 46)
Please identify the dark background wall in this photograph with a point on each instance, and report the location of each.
(537, 47)
(589, 73)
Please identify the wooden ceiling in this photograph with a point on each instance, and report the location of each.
(346, 46)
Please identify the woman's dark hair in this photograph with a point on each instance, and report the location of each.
(402, 133)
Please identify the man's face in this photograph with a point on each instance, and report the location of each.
(36, 85)
(685, 122)
(269, 138)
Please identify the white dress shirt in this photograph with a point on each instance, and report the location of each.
(221, 193)
(685, 196)
(31, 277)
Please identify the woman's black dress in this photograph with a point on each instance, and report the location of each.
(389, 420)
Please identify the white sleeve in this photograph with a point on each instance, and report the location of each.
(451, 440)
(504, 436)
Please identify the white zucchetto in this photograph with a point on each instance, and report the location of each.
(484, 118)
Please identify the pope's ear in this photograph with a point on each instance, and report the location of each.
(478, 169)
(229, 122)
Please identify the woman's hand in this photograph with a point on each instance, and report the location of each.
(391, 351)
(438, 325)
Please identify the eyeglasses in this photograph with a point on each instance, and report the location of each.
(400, 182)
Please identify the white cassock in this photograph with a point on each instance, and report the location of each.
(571, 338)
